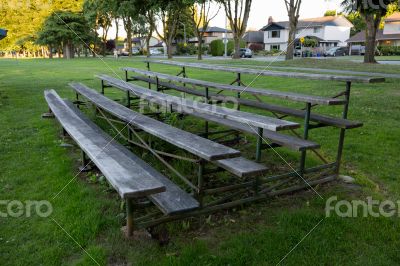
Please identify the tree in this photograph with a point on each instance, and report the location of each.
(168, 13)
(64, 29)
(126, 9)
(293, 10)
(237, 12)
(358, 21)
(99, 14)
(200, 19)
(143, 16)
(329, 13)
(372, 11)
(23, 19)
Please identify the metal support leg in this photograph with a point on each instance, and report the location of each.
(77, 101)
(102, 87)
(306, 129)
(239, 82)
(343, 131)
(129, 218)
(206, 99)
(157, 84)
(184, 72)
(128, 99)
(259, 144)
(85, 162)
(200, 182)
(64, 132)
(148, 66)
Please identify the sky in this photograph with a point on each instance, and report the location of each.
(261, 10)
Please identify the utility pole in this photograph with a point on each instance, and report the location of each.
(226, 37)
(184, 32)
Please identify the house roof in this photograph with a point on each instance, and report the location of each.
(3, 34)
(338, 21)
(393, 18)
(160, 44)
(254, 36)
(216, 29)
(360, 37)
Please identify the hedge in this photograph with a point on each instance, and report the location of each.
(389, 50)
(217, 47)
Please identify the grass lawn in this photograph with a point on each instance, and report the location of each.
(291, 230)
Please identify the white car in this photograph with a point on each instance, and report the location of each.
(155, 52)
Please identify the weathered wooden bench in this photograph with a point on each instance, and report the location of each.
(280, 111)
(204, 149)
(255, 120)
(154, 78)
(218, 114)
(269, 73)
(128, 174)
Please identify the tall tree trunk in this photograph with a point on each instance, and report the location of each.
(372, 22)
(169, 49)
(116, 31)
(129, 36)
(148, 45)
(50, 52)
(200, 48)
(68, 50)
(292, 37)
(237, 47)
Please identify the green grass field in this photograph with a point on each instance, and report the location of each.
(84, 227)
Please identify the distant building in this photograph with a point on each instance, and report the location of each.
(330, 31)
(211, 34)
(254, 38)
(390, 35)
(138, 43)
(3, 34)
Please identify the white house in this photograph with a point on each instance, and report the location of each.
(329, 31)
(390, 35)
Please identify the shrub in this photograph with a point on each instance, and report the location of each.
(389, 50)
(217, 48)
(231, 46)
(256, 47)
(182, 49)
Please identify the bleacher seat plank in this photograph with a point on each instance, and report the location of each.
(126, 172)
(323, 119)
(270, 73)
(241, 89)
(260, 121)
(196, 145)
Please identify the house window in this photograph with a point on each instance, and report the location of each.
(274, 34)
(275, 47)
(317, 30)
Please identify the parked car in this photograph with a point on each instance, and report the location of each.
(155, 51)
(337, 51)
(246, 52)
(357, 50)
